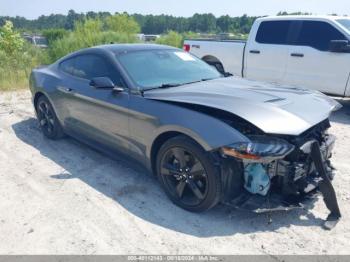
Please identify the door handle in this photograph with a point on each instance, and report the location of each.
(254, 51)
(65, 89)
(297, 55)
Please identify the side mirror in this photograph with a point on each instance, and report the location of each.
(102, 82)
(339, 46)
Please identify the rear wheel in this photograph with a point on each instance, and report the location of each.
(218, 66)
(48, 121)
(188, 174)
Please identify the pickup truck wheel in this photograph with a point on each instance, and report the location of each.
(188, 174)
(48, 120)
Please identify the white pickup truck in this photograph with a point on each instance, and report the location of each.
(307, 51)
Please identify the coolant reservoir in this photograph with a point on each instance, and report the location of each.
(256, 179)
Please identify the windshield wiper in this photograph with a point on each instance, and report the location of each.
(207, 79)
(198, 81)
(169, 85)
(162, 86)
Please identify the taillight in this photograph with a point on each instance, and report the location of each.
(187, 47)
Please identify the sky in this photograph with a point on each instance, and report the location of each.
(33, 8)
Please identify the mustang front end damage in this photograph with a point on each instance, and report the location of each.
(283, 172)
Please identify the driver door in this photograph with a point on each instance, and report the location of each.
(99, 115)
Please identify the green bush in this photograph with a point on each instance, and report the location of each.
(190, 35)
(17, 58)
(15, 69)
(87, 34)
(176, 39)
(122, 23)
(54, 34)
(10, 41)
(73, 43)
(172, 38)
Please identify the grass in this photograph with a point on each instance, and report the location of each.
(10, 81)
(14, 75)
(15, 68)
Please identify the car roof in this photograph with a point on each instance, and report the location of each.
(302, 17)
(117, 48)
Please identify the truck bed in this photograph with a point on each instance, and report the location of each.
(227, 52)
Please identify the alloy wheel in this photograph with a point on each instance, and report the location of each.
(46, 117)
(184, 176)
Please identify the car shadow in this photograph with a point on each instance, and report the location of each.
(140, 193)
(342, 116)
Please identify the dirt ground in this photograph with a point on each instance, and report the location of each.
(61, 197)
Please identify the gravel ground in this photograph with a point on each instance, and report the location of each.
(62, 197)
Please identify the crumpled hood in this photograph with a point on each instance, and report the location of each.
(272, 108)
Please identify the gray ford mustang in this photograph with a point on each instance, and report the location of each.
(209, 138)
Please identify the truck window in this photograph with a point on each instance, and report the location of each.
(318, 34)
(345, 23)
(273, 32)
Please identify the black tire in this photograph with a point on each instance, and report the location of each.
(218, 66)
(181, 180)
(49, 123)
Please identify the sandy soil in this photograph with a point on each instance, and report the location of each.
(61, 197)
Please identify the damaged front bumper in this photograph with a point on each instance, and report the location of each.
(294, 181)
(272, 203)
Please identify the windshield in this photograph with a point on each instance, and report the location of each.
(157, 68)
(345, 23)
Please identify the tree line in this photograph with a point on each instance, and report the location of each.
(149, 24)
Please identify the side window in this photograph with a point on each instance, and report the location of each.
(67, 66)
(318, 34)
(273, 32)
(90, 66)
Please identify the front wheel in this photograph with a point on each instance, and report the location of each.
(188, 174)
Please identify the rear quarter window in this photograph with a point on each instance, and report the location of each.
(67, 66)
(86, 67)
(89, 66)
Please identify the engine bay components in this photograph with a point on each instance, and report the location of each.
(256, 179)
(283, 174)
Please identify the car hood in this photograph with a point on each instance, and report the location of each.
(273, 108)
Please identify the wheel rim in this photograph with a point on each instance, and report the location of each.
(184, 176)
(46, 117)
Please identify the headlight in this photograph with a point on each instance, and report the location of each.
(259, 149)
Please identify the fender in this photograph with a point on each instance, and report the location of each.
(44, 81)
(167, 117)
